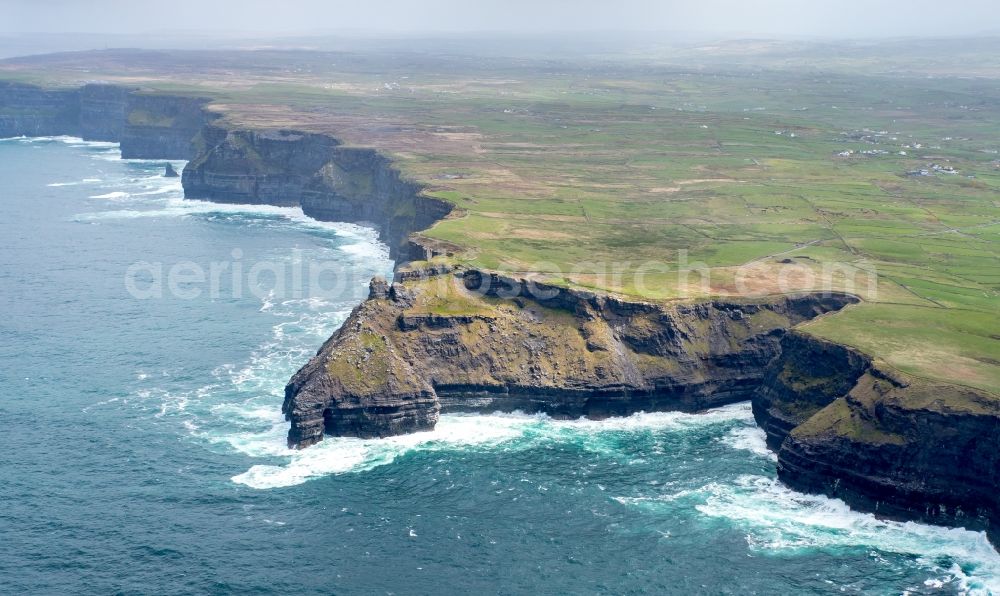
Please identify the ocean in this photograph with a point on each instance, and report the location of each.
(143, 449)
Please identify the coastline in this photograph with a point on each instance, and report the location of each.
(357, 185)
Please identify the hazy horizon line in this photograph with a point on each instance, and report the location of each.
(679, 35)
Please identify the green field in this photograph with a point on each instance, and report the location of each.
(675, 174)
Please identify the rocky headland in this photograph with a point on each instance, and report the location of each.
(850, 427)
(451, 339)
(475, 341)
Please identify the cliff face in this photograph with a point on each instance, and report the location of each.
(238, 166)
(809, 374)
(482, 343)
(907, 448)
(148, 126)
(103, 112)
(361, 186)
(329, 181)
(162, 126)
(26, 110)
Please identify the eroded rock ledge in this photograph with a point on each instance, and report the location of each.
(473, 341)
(850, 427)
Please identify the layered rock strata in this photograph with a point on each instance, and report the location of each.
(148, 125)
(329, 181)
(27, 110)
(160, 126)
(852, 428)
(475, 341)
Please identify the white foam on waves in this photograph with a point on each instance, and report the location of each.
(112, 195)
(778, 519)
(749, 438)
(156, 196)
(362, 242)
(51, 139)
(76, 183)
(67, 140)
(338, 455)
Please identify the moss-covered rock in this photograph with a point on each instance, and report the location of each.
(809, 374)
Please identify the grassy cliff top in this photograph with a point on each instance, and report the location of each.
(666, 176)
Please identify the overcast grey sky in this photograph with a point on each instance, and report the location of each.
(831, 18)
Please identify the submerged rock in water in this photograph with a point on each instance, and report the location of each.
(170, 172)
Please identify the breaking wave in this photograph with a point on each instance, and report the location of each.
(781, 521)
(337, 455)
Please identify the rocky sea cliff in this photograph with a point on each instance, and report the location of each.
(841, 423)
(329, 181)
(853, 428)
(148, 125)
(475, 341)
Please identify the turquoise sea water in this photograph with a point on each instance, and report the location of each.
(142, 445)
